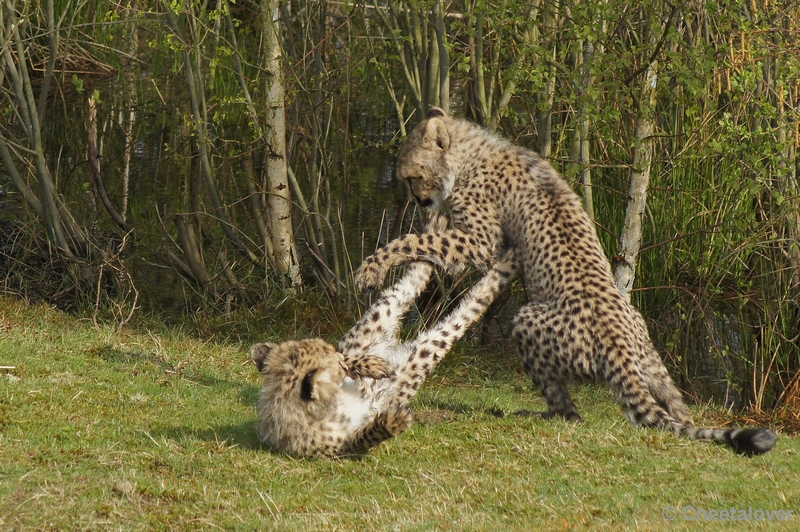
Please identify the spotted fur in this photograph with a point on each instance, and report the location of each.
(577, 326)
(317, 401)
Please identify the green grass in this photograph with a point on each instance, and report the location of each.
(102, 429)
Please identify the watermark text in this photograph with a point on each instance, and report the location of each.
(698, 513)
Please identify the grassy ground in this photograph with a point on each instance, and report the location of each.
(138, 431)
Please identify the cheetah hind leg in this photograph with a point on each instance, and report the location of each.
(387, 425)
(541, 363)
(559, 402)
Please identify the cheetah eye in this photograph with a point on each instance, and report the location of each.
(307, 386)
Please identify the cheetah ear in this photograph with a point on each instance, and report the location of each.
(436, 135)
(307, 386)
(260, 353)
(316, 385)
(436, 112)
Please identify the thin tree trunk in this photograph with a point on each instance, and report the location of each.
(257, 208)
(793, 221)
(529, 42)
(585, 170)
(52, 37)
(573, 164)
(627, 257)
(128, 155)
(786, 124)
(421, 50)
(93, 156)
(545, 122)
(191, 251)
(18, 181)
(255, 123)
(480, 103)
(278, 183)
(26, 109)
(130, 77)
(546, 98)
(583, 129)
(318, 175)
(444, 55)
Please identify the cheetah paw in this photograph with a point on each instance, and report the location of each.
(370, 275)
(372, 367)
(399, 420)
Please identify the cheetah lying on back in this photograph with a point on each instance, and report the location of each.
(577, 326)
(317, 401)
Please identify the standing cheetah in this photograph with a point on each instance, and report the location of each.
(577, 326)
(317, 401)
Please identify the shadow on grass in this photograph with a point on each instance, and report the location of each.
(127, 358)
(231, 435)
(131, 357)
(242, 435)
(248, 395)
(459, 408)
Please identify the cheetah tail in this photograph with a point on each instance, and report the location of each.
(749, 442)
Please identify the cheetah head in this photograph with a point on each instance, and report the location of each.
(422, 164)
(300, 379)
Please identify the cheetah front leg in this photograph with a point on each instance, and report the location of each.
(431, 346)
(452, 250)
(380, 324)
